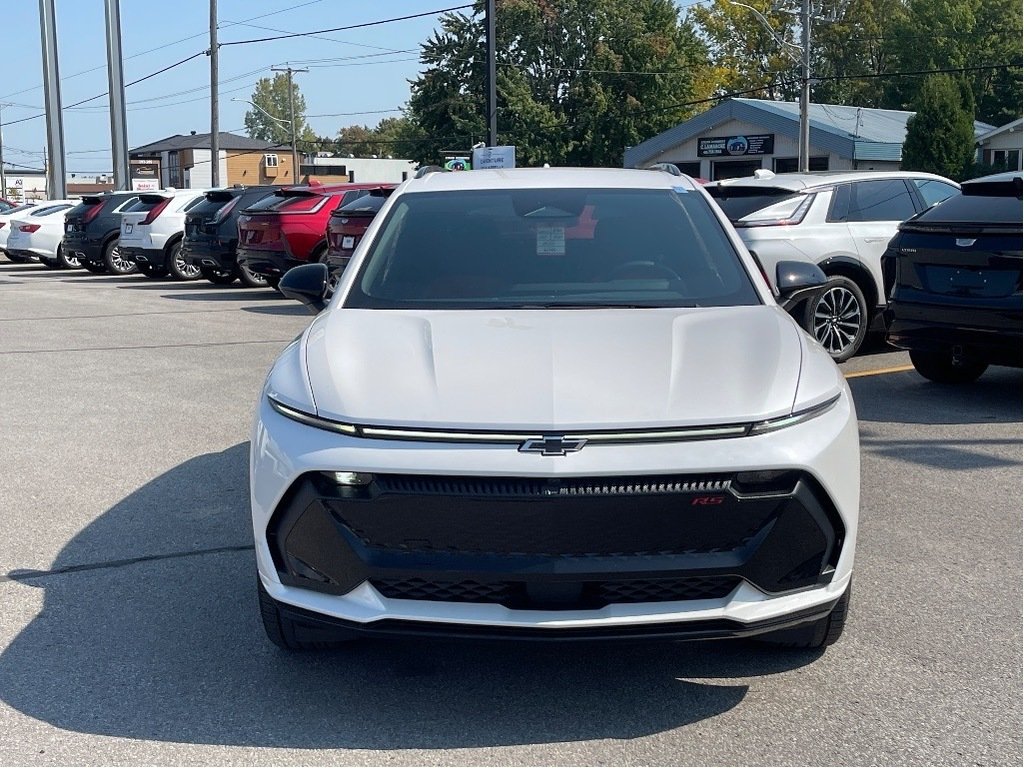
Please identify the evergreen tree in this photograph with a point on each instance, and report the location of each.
(940, 136)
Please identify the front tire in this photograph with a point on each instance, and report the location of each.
(284, 633)
(941, 368)
(117, 263)
(178, 267)
(66, 261)
(838, 318)
(820, 634)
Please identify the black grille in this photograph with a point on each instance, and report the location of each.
(570, 595)
(422, 485)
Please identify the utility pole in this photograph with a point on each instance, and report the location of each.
(492, 87)
(214, 98)
(805, 87)
(115, 88)
(291, 107)
(56, 180)
(3, 178)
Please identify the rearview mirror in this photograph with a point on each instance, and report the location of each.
(796, 280)
(307, 284)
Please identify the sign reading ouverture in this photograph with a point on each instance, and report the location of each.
(724, 146)
(485, 158)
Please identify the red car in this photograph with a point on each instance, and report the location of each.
(289, 227)
(348, 223)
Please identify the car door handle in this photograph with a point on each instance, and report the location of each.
(875, 239)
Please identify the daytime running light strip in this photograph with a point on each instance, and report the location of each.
(630, 436)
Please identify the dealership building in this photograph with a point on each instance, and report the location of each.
(739, 136)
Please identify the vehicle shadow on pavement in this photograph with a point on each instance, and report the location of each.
(149, 630)
(908, 398)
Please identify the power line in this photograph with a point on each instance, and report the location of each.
(350, 26)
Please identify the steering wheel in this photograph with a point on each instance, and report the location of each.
(652, 268)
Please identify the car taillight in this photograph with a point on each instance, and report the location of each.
(28, 227)
(222, 214)
(92, 213)
(155, 211)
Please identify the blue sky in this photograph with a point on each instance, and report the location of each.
(157, 34)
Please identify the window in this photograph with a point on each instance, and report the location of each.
(270, 161)
(528, 249)
(690, 169)
(881, 200)
(739, 201)
(934, 192)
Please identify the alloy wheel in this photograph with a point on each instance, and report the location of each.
(837, 319)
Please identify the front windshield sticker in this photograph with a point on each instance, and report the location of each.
(680, 190)
(550, 240)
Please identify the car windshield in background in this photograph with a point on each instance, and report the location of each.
(293, 202)
(541, 248)
(738, 202)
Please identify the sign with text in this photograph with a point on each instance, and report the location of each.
(725, 146)
(485, 158)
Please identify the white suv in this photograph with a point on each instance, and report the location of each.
(841, 221)
(553, 403)
(152, 230)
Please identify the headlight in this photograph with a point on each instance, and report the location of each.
(310, 419)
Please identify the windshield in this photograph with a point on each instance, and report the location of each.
(290, 201)
(539, 248)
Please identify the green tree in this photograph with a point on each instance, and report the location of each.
(857, 41)
(578, 80)
(945, 34)
(940, 136)
(744, 55)
(271, 94)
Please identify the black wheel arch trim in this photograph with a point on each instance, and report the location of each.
(854, 269)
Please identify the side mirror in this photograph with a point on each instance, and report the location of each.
(308, 284)
(796, 280)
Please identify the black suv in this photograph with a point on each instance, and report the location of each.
(91, 229)
(953, 277)
(211, 235)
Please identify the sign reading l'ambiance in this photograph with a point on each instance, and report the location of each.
(723, 146)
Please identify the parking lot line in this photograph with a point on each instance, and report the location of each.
(880, 371)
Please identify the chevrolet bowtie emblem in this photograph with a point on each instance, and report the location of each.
(553, 445)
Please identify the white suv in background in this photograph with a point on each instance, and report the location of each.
(152, 230)
(841, 221)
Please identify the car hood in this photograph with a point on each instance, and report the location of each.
(554, 369)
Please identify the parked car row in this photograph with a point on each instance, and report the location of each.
(187, 234)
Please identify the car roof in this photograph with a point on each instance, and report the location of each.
(817, 179)
(547, 178)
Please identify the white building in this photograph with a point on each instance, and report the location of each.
(1003, 146)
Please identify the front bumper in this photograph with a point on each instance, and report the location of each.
(981, 329)
(716, 588)
(147, 257)
(267, 263)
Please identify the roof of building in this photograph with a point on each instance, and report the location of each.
(202, 141)
(859, 133)
(1008, 128)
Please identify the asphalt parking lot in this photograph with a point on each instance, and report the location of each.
(129, 632)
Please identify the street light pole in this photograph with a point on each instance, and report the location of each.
(291, 107)
(214, 98)
(3, 177)
(492, 86)
(805, 87)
